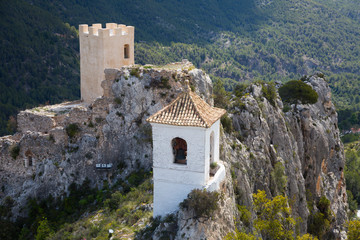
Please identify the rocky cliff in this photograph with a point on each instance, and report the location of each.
(61, 144)
(305, 140)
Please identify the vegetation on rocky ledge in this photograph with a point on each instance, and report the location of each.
(273, 220)
(296, 91)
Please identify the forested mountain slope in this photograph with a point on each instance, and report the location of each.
(233, 40)
(39, 59)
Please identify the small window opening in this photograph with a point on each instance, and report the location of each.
(30, 161)
(179, 146)
(126, 51)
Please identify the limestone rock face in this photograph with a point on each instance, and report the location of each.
(61, 144)
(215, 227)
(305, 140)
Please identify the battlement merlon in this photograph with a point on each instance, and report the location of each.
(111, 29)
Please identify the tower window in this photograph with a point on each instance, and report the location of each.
(126, 51)
(179, 146)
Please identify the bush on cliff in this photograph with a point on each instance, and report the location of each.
(15, 151)
(319, 222)
(273, 220)
(296, 91)
(72, 129)
(353, 229)
(202, 202)
(269, 91)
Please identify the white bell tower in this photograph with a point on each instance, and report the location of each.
(185, 142)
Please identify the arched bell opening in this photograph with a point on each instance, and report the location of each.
(179, 147)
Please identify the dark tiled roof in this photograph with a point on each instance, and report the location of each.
(188, 109)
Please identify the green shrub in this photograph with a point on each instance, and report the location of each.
(286, 108)
(202, 202)
(132, 217)
(43, 231)
(91, 124)
(220, 95)
(51, 138)
(274, 220)
(72, 129)
(353, 206)
(296, 91)
(324, 206)
(306, 237)
(15, 151)
(213, 165)
(269, 92)
(117, 100)
(279, 177)
(350, 138)
(240, 236)
(353, 230)
(319, 225)
(239, 89)
(320, 221)
(164, 82)
(135, 72)
(227, 123)
(137, 177)
(245, 215)
(240, 104)
(83, 202)
(114, 201)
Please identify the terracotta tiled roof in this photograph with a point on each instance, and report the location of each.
(188, 109)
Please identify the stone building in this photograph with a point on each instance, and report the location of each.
(101, 48)
(185, 142)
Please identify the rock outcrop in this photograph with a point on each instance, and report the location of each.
(305, 140)
(61, 144)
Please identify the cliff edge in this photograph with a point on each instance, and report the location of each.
(108, 139)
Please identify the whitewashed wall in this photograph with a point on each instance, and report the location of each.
(216, 129)
(172, 181)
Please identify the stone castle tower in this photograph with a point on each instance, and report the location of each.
(186, 137)
(101, 48)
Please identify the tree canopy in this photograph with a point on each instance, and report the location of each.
(296, 91)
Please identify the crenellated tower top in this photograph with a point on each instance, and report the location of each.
(101, 48)
(111, 29)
